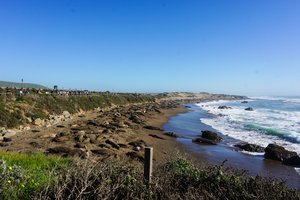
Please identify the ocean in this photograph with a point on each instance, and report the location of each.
(273, 120)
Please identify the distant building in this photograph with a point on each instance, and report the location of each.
(55, 87)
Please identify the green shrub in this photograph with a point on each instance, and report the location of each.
(177, 179)
(23, 175)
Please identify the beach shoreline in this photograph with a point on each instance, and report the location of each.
(40, 139)
(215, 154)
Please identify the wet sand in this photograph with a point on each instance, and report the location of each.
(188, 124)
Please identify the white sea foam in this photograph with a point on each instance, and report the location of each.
(253, 153)
(297, 170)
(284, 99)
(233, 122)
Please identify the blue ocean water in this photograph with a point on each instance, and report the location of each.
(273, 120)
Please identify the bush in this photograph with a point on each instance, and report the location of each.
(177, 179)
(22, 175)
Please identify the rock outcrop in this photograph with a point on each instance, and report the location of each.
(293, 161)
(250, 147)
(208, 137)
(249, 109)
(224, 107)
(276, 152)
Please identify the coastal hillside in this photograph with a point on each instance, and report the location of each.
(21, 85)
(20, 110)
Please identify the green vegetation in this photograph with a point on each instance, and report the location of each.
(20, 85)
(22, 175)
(40, 177)
(15, 110)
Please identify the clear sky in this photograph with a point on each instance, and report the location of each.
(249, 47)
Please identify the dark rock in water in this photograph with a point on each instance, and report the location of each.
(210, 135)
(204, 141)
(244, 102)
(153, 128)
(293, 161)
(250, 147)
(224, 107)
(276, 152)
(135, 156)
(187, 106)
(249, 109)
(171, 134)
(112, 144)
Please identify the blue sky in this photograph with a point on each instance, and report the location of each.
(249, 47)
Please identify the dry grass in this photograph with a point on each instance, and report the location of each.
(177, 179)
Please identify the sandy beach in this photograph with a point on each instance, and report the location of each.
(106, 134)
(115, 134)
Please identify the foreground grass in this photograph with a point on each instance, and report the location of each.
(22, 175)
(42, 177)
(177, 179)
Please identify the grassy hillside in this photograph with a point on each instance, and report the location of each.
(20, 85)
(14, 111)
